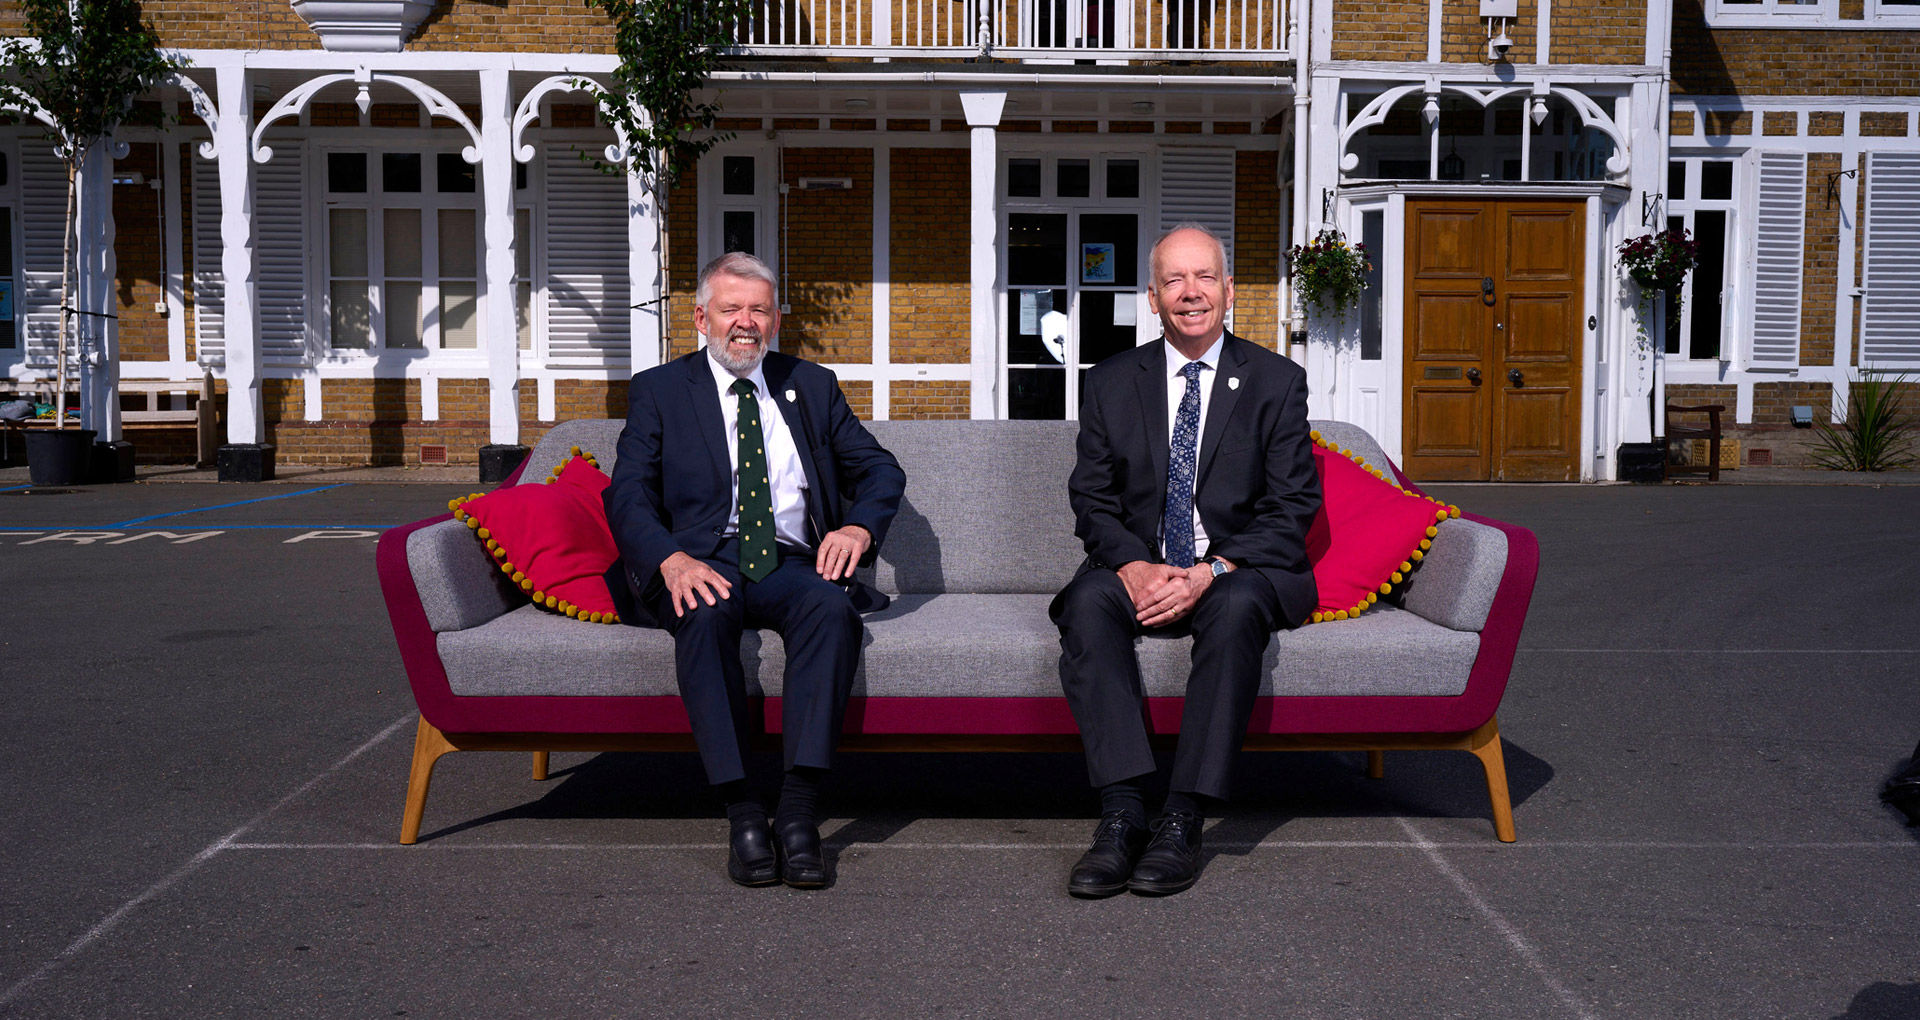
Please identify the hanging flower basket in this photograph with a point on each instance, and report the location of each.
(1329, 272)
(1660, 262)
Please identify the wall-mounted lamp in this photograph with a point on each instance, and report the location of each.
(1498, 14)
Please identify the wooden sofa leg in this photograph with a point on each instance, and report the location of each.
(1485, 745)
(540, 764)
(428, 745)
(1376, 764)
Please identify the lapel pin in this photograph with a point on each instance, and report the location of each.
(791, 398)
(1233, 382)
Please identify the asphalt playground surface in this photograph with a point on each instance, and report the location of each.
(207, 733)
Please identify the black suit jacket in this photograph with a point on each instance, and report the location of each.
(1254, 481)
(673, 483)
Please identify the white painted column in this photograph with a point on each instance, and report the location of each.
(882, 278)
(1647, 176)
(1321, 184)
(233, 148)
(496, 184)
(173, 270)
(983, 116)
(98, 347)
(647, 284)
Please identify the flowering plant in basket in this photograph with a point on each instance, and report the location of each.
(1329, 272)
(1660, 262)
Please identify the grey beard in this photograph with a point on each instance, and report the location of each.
(740, 365)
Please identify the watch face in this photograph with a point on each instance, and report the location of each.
(1219, 567)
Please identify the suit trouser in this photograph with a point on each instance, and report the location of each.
(821, 632)
(1100, 670)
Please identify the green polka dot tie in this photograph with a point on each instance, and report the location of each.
(757, 554)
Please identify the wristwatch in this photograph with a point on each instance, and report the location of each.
(1220, 566)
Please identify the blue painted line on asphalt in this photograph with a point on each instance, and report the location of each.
(13, 488)
(226, 506)
(50, 528)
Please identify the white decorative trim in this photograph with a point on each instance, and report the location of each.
(203, 108)
(1376, 111)
(436, 102)
(363, 26)
(529, 111)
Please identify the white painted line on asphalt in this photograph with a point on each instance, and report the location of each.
(1265, 844)
(1731, 651)
(112, 921)
(1519, 942)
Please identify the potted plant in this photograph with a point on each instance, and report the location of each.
(1659, 263)
(77, 69)
(1329, 272)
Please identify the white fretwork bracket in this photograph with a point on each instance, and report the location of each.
(529, 112)
(203, 108)
(1376, 111)
(436, 102)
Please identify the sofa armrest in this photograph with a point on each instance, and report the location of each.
(459, 585)
(1456, 582)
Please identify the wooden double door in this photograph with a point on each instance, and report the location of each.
(1494, 326)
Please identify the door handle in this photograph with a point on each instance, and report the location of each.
(1473, 376)
(1486, 291)
(1513, 374)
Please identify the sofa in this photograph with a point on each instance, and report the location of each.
(965, 657)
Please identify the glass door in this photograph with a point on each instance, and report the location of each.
(1073, 281)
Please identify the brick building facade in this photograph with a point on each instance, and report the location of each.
(959, 237)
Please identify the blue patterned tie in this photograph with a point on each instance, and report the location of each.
(1186, 442)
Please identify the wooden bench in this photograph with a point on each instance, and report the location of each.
(1678, 433)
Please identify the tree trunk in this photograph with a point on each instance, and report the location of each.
(66, 303)
(666, 307)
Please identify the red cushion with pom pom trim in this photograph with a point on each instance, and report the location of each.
(551, 540)
(1368, 535)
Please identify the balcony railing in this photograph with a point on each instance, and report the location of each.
(1116, 30)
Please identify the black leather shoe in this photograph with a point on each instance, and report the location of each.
(801, 864)
(1103, 870)
(1172, 858)
(750, 857)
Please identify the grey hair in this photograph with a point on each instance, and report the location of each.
(1153, 255)
(734, 263)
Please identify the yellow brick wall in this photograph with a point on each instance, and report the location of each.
(1821, 268)
(1257, 248)
(1387, 30)
(1758, 61)
(587, 398)
(929, 266)
(683, 263)
(930, 399)
(829, 258)
(1613, 32)
(137, 251)
(859, 394)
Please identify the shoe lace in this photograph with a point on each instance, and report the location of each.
(1172, 826)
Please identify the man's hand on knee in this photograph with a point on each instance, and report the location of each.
(1173, 596)
(1146, 585)
(841, 550)
(687, 578)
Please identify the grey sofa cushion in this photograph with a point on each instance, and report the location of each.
(1455, 584)
(954, 645)
(460, 585)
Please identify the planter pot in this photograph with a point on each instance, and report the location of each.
(59, 456)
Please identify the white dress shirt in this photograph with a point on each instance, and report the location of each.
(784, 473)
(1176, 391)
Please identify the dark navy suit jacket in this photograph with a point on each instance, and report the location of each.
(1254, 480)
(673, 483)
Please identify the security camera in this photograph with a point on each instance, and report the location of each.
(1498, 46)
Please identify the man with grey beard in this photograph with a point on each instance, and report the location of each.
(727, 507)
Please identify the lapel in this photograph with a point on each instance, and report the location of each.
(1220, 403)
(704, 396)
(1153, 401)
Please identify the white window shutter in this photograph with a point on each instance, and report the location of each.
(1779, 245)
(209, 276)
(1890, 313)
(43, 205)
(280, 252)
(1196, 185)
(587, 291)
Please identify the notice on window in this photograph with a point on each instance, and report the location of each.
(6, 299)
(1029, 313)
(1126, 310)
(1096, 263)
